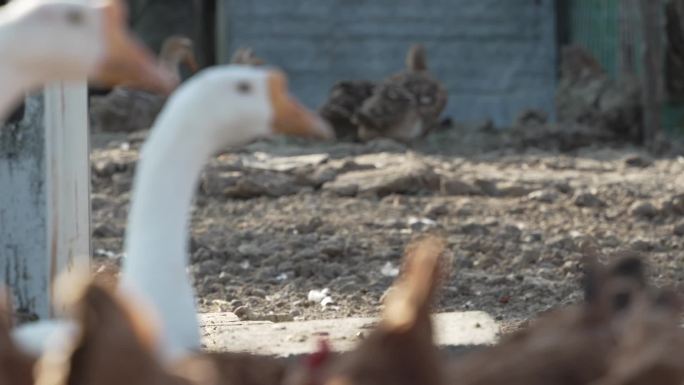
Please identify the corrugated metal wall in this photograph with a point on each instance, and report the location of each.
(496, 57)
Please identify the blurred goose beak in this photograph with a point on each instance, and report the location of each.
(126, 60)
(290, 117)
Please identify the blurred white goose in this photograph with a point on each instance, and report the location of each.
(49, 40)
(219, 107)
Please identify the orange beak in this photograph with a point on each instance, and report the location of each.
(126, 60)
(290, 117)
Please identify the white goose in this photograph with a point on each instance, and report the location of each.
(49, 40)
(219, 107)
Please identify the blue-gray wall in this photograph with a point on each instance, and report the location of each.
(496, 56)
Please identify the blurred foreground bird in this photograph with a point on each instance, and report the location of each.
(43, 41)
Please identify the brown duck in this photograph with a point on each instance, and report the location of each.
(405, 106)
(344, 102)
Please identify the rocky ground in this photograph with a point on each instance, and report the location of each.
(278, 222)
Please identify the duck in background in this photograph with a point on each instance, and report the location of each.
(42, 41)
(404, 107)
(407, 105)
(343, 104)
(125, 109)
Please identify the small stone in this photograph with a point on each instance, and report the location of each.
(122, 183)
(242, 312)
(679, 229)
(488, 187)
(310, 226)
(675, 205)
(104, 168)
(513, 190)
(208, 267)
(249, 250)
(99, 201)
(588, 199)
(317, 295)
(544, 196)
(436, 210)
(640, 161)
(348, 190)
(474, 229)
(533, 237)
(389, 176)
(642, 245)
(105, 230)
(327, 301)
(389, 270)
(511, 233)
(457, 187)
(643, 210)
(221, 305)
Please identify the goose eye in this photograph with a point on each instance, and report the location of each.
(74, 17)
(244, 87)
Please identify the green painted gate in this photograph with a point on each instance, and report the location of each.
(598, 26)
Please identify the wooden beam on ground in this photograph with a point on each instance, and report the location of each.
(652, 58)
(45, 202)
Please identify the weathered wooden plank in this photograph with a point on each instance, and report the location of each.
(23, 238)
(67, 177)
(44, 204)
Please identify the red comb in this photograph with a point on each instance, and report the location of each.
(314, 360)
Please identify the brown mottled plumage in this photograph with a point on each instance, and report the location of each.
(381, 115)
(343, 103)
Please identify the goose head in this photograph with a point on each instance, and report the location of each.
(50, 40)
(238, 104)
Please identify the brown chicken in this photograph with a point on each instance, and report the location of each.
(400, 350)
(115, 347)
(572, 346)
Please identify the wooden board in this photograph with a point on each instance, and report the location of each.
(44, 203)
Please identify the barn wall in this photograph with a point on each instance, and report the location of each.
(496, 57)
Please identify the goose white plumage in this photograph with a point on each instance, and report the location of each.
(50, 40)
(219, 107)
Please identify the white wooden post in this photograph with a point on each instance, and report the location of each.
(67, 153)
(45, 195)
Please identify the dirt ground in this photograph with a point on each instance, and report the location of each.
(279, 219)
